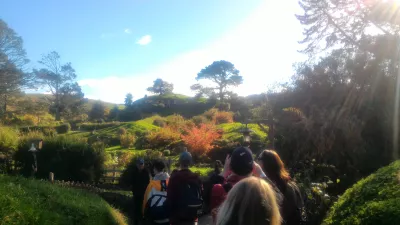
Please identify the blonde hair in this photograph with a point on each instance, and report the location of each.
(252, 201)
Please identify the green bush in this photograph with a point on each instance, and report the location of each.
(159, 122)
(199, 120)
(373, 200)
(166, 152)
(49, 131)
(27, 201)
(8, 146)
(127, 140)
(63, 128)
(68, 157)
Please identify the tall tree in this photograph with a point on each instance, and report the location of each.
(223, 74)
(60, 80)
(128, 99)
(114, 113)
(98, 111)
(161, 87)
(345, 23)
(12, 60)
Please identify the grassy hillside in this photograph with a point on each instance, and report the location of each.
(26, 201)
(373, 200)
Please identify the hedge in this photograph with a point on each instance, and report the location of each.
(68, 157)
(373, 200)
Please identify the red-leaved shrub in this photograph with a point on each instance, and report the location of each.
(199, 139)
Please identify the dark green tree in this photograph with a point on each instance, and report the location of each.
(60, 80)
(223, 74)
(128, 99)
(98, 111)
(114, 113)
(161, 87)
(12, 61)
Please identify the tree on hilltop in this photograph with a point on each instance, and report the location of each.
(161, 87)
(223, 74)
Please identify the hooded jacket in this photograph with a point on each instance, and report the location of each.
(154, 187)
(178, 178)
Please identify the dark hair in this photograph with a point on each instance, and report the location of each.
(217, 166)
(274, 168)
(159, 165)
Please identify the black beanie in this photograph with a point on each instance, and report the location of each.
(242, 161)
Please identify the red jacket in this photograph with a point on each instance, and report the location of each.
(219, 193)
(173, 191)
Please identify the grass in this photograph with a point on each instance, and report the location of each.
(27, 201)
(232, 131)
(373, 200)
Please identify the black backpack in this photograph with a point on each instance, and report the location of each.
(155, 208)
(191, 201)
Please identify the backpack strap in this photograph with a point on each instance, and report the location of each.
(163, 185)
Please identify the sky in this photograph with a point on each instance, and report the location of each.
(122, 46)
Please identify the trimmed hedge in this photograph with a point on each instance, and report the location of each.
(373, 200)
(61, 129)
(68, 157)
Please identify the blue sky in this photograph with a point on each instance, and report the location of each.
(121, 46)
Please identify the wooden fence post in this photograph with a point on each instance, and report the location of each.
(51, 177)
(114, 174)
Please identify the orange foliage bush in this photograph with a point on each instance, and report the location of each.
(199, 139)
(223, 117)
(162, 138)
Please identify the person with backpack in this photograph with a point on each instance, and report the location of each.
(184, 193)
(292, 205)
(154, 210)
(240, 165)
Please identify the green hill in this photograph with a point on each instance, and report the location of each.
(27, 201)
(373, 200)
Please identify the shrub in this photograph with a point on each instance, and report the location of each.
(127, 140)
(122, 131)
(30, 120)
(163, 138)
(373, 200)
(49, 131)
(199, 120)
(176, 122)
(68, 157)
(159, 122)
(28, 201)
(210, 114)
(8, 146)
(63, 128)
(223, 117)
(166, 152)
(200, 139)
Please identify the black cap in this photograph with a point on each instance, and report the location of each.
(242, 161)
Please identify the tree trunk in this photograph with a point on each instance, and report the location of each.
(221, 94)
(58, 117)
(5, 104)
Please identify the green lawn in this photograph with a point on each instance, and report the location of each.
(27, 201)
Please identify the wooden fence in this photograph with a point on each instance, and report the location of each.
(111, 176)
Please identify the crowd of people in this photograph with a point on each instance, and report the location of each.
(245, 191)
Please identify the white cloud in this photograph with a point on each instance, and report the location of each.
(145, 40)
(261, 48)
(128, 31)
